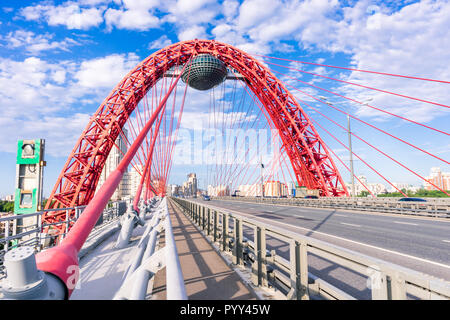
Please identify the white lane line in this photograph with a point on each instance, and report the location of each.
(411, 224)
(448, 241)
(370, 213)
(351, 224)
(352, 241)
(341, 215)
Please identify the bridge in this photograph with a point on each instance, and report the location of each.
(256, 239)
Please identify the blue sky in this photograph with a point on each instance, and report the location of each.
(60, 59)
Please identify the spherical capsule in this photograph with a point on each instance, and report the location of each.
(204, 72)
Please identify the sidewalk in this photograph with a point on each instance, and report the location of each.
(206, 275)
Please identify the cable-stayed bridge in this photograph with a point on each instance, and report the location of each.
(251, 244)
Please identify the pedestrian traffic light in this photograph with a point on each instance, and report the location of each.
(29, 176)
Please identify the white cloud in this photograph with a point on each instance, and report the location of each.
(105, 72)
(130, 19)
(60, 133)
(194, 32)
(228, 34)
(136, 15)
(45, 99)
(189, 7)
(257, 18)
(94, 2)
(160, 43)
(254, 12)
(412, 41)
(191, 17)
(230, 9)
(258, 30)
(284, 47)
(69, 14)
(33, 43)
(59, 76)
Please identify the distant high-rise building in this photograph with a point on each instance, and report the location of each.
(115, 156)
(275, 189)
(219, 191)
(190, 186)
(173, 190)
(438, 178)
(8, 198)
(134, 179)
(361, 183)
(250, 190)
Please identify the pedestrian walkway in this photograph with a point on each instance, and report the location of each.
(206, 275)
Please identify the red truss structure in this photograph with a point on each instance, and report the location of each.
(310, 159)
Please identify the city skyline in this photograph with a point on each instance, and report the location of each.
(442, 180)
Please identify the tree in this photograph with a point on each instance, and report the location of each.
(6, 206)
(364, 193)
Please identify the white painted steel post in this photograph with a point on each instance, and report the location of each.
(398, 287)
(203, 218)
(6, 235)
(263, 257)
(378, 284)
(224, 231)
(237, 250)
(215, 226)
(67, 222)
(304, 292)
(294, 259)
(209, 222)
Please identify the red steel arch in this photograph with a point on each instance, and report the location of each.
(312, 164)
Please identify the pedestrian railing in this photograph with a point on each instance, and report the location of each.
(147, 261)
(435, 207)
(385, 280)
(17, 234)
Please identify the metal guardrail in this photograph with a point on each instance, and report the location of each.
(387, 281)
(32, 235)
(438, 208)
(147, 261)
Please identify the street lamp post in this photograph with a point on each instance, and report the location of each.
(351, 154)
(349, 147)
(262, 177)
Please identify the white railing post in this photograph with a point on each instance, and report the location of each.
(6, 235)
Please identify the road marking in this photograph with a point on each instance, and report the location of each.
(341, 215)
(350, 224)
(352, 241)
(448, 241)
(351, 211)
(412, 224)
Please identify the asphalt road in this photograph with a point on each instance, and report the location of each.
(418, 243)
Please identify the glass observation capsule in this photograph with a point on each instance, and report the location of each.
(204, 72)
